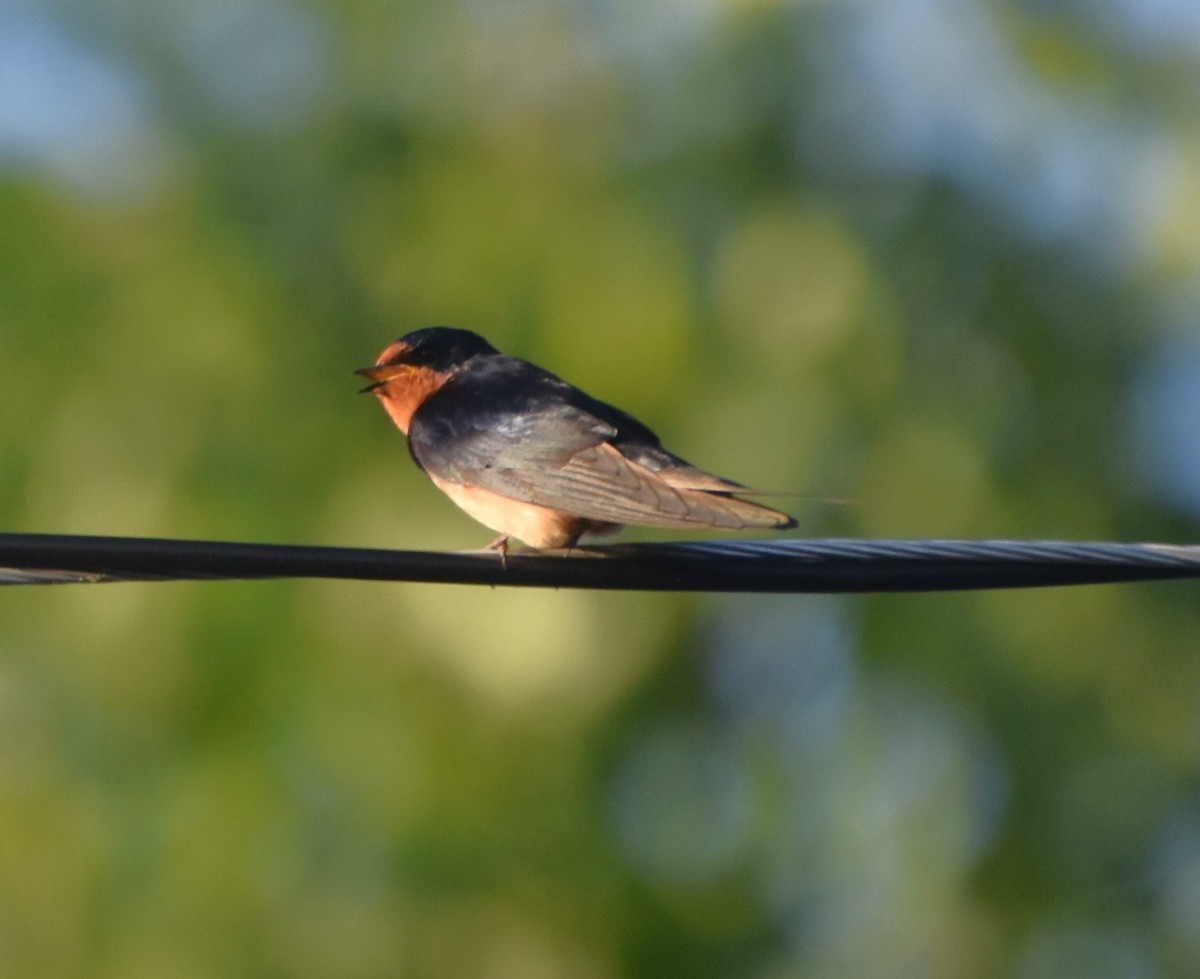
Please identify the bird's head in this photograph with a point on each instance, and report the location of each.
(437, 348)
(415, 366)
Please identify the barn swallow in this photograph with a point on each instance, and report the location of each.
(535, 458)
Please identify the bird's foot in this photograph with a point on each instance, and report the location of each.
(501, 544)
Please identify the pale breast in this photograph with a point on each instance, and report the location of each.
(537, 526)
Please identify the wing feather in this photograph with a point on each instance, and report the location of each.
(564, 457)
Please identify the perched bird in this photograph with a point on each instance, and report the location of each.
(532, 457)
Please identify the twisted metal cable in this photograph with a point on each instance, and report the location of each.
(819, 565)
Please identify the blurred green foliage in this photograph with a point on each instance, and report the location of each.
(928, 275)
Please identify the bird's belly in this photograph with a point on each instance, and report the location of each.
(537, 526)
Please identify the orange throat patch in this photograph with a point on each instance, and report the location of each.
(405, 393)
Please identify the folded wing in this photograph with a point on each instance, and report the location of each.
(566, 458)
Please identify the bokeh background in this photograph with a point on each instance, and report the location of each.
(939, 258)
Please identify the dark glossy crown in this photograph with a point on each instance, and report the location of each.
(442, 347)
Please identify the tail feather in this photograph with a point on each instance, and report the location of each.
(720, 510)
(601, 483)
(708, 499)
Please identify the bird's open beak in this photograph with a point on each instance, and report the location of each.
(380, 374)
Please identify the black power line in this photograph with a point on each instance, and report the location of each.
(823, 565)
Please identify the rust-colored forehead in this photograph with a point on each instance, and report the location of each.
(389, 364)
(393, 353)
